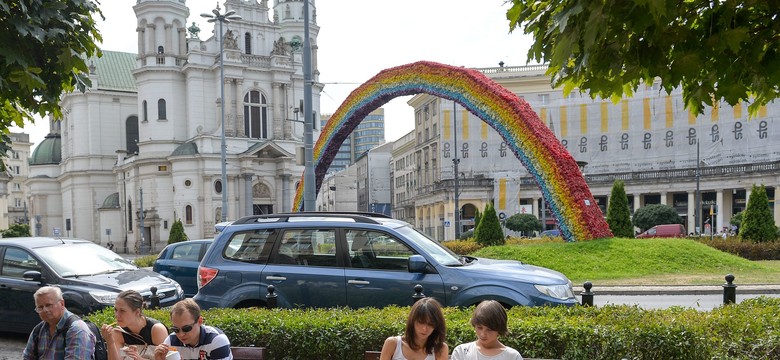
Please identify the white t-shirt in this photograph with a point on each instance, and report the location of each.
(469, 351)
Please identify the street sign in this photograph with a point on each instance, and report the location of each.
(446, 223)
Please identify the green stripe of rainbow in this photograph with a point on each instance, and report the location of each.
(554, 169)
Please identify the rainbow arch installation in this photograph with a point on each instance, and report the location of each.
(532, 142)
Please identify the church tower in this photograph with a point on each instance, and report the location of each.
(162, 55)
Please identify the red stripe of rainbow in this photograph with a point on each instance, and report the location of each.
(554, 169)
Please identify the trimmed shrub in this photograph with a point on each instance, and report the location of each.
(489, 230)
(16, 230)
(618, 213)
(468, 234)
(462, 247)
(177, 233)
(145, 261)
(592, 333)
(746, 249)
(524, 223)
(758, 225)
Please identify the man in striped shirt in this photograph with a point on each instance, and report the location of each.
(190, 338)
(57, 337)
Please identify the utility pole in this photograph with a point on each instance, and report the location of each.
(455, 162)
(144, 249)
(309, 193)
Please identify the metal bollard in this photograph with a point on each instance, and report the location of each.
(418, 293)
(154, 300)
(270, 298)
(729, 291)
(587, 295)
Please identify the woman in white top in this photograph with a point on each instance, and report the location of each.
(424, 336)
(489, 321)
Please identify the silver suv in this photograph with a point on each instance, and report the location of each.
(358, 260)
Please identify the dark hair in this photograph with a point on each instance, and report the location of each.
(428, 311)
(490, 313)
(133, 299)
(186, 305)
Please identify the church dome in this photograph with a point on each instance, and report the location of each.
(48, 152)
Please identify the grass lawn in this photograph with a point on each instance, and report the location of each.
(640, 262)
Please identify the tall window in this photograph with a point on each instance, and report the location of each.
(255, 115)
(248, 43)
(129, 216)
(144, 110)
(188, 215)
(161, 109)
(131, 134)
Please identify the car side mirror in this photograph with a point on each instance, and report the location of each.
(32, 276)
(417, 264)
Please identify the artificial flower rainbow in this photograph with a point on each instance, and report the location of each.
(554, 169)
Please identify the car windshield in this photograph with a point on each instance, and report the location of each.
(442, 254)
(83, 259)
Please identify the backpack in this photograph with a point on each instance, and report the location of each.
(101, 350)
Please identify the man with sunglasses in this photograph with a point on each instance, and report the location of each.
(58, 336)
(192, 339)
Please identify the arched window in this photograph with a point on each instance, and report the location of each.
(188, 214)
(131, 135)
(161, 113)
(160, 50)
(144, 110)
(255, 115)
(248, 43)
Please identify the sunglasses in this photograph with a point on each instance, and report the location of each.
(185, 328)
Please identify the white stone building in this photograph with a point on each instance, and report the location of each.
(151, 124)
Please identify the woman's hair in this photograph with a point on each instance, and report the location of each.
(186, 305)
(133, 299)
(427, 311)
(491, 314)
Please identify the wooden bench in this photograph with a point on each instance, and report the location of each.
(249, 353)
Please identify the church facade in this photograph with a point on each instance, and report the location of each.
(141, 148)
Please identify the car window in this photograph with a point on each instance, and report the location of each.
(377, 250)
(433, 248)
(17, 261)
(82, 259)
(186, 252)
(250, 246)
(307, 247)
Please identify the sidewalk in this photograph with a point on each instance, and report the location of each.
(757, 289)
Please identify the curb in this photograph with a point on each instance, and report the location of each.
(755, 289)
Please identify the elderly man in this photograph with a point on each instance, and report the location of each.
(61, 335)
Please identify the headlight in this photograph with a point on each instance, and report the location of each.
(562, 292)
(179, 290)
(104, 297)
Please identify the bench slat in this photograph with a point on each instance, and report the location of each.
(248, 353)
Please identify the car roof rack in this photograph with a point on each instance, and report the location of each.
(356, 216)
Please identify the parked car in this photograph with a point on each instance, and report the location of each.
(89, 275)
(664, 231)
(179, 261)
(551, 233)
(358, 260)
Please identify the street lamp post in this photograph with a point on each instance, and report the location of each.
(455, 162)
(227, 17)
(697, 215)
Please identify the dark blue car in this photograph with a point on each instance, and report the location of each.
(179, 261)
(358, 260)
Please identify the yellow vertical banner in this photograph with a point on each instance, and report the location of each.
(564, 123)
(484, 130)
(583, 119)
(669, 112)
(604, 117)
(762, 111)
(543, 116)
(715, 112)
(691, 118)
(502, 194)
(737, 111)
(464, 116)
(647, 114)
(447, 125)
(624, 115)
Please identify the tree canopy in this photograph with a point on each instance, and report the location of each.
(43, 47)
(655, 214)
(713, 50)
(524, 223)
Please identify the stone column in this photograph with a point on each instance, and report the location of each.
(230, 126)
(719, 215)
(151, 47)
(238, 107)
(248, 194)
(141, 38)
(776, 210)
(168, 38)
(182, 35)
(277, 110)
(664, 200)
(691, 211)
(637, 201)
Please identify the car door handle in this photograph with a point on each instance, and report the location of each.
(358, 282)
(276, 278)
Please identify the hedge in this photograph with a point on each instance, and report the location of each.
(745, 249)
(748, 330)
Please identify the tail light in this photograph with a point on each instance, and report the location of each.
(205, 275)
